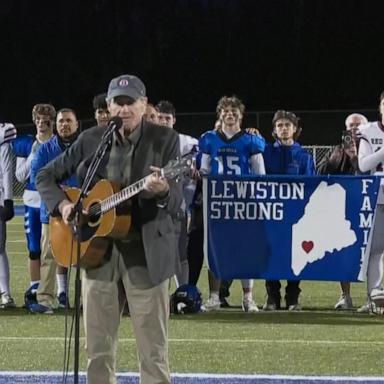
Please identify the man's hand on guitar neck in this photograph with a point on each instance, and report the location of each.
(156, 184)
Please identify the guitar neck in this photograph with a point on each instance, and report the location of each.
(123, 195)
(172, 170)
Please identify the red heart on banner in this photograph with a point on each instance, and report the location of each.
(307, 246)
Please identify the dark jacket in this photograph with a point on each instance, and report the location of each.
(345, 166)
(287, 160)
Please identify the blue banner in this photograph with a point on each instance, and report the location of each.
(289, 227)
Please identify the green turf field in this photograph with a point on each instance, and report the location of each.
(316, 341)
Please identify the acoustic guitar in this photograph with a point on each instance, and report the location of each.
(106, 218)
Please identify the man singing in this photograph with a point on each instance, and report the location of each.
(147, 257)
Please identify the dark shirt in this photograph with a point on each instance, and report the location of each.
(345, 166)
(119, 170)
(121, 156)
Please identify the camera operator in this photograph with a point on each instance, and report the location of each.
(344, 161)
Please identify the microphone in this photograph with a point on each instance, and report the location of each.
(114, 124)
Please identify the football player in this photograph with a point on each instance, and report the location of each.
(7, 133)
(24, 147)
(371, 159)
(166, 114)
(230, 151)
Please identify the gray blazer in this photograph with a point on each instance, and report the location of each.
(156, 147)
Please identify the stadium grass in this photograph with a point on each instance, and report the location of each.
(315, 341)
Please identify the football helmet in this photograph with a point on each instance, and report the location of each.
(186, 299)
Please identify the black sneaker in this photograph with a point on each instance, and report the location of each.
(62, 300)
(224, 303)
(272, 304)
(30, 296)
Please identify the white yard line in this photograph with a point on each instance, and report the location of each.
(278, 378)
(222, 341)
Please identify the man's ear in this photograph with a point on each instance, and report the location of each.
(144, 102)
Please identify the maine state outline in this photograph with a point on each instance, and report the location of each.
(323, 227)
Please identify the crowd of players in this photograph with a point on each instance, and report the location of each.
(227, 149)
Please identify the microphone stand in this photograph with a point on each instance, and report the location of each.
(77, 213)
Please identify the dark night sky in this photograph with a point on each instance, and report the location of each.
(296, 54)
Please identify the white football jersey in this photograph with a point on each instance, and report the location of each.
(187, 145)
(6, 173)
(7, 132)
(371, 152)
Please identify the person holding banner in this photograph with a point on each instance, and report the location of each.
(231, 151)
(371, 159)
(343, 161)
(285, 157)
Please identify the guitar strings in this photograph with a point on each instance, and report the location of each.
(114, 200)
(98, 208)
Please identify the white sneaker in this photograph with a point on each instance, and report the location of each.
(366, 308)
(6, 301)
(377, 296)
(250, 306)
(294, 307)
(212, 304)
(344, 303)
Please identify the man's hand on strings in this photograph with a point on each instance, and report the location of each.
(66, 210)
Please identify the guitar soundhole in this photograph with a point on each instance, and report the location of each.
(90, 222)
(94, 214)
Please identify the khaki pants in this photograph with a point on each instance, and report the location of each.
(149, 312)
(48, 266)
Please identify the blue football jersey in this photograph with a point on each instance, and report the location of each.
(230, 156)
(22, 145)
